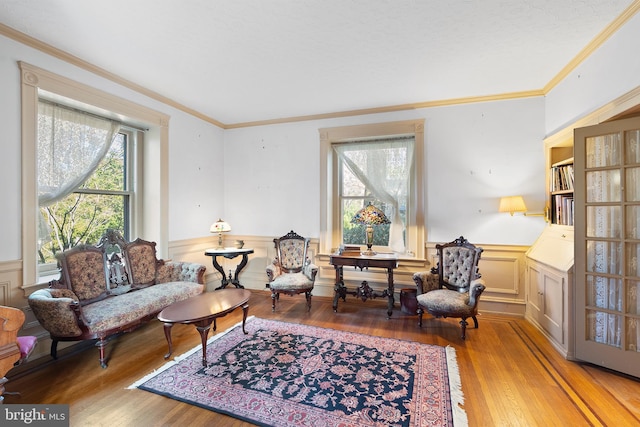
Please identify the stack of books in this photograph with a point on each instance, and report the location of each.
(349, 250)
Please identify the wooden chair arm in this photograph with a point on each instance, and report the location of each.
(11, 320)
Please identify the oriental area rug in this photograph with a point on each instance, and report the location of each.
(286, 374)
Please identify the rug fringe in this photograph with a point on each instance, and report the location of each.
(183, 356)
(455, 386)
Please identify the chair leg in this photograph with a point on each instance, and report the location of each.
(273, 301)
(419, 311)
(101, 344)
(308, 296)
(54, 349)
(475, 321)
(463, 323)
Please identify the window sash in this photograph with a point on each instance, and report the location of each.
(127, 193)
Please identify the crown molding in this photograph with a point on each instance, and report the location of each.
(582, 55)
(598, 41)
(74, 60)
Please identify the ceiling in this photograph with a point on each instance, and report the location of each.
(236, 62)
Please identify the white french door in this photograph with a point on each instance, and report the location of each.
(607, 245)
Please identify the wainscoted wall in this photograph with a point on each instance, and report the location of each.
(501, 266)
(12, 294)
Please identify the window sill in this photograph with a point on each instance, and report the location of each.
(45, 279)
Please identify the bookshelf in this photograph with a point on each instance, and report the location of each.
(549, 261)
(561, 192)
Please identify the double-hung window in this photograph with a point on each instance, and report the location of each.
(128, 184)
(85, 183)
(379, 164)
(376, 171)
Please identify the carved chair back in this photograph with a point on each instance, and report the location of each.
(129, 263)
(457, 264)
(291, 252)
(112, 266)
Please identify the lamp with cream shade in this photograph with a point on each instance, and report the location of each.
(220, 227)
(513, 204)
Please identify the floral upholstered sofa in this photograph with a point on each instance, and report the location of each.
(111, 288)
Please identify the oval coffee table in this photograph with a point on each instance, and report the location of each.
(201, 311)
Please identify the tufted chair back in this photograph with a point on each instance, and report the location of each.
(291, 272)
(457, 264)
(291, 252)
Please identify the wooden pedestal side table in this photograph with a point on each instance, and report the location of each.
(364, 291)
(203, 310)
(229, 253)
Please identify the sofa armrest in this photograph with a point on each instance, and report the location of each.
(179, 271)
(58, 311)
(426, 281)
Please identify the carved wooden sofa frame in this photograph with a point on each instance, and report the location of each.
(109, 289)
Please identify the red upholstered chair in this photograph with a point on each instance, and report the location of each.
(454, 286)
(14, 350)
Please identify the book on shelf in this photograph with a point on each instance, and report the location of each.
(562, 178)
(563, 209)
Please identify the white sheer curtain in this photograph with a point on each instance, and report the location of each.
(384, 167)
(71, 145)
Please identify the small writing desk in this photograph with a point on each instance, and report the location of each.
(229, 253)
(364, 291)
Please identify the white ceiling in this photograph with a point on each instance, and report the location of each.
(238, 61)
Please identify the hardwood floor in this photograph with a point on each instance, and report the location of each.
(511, 376)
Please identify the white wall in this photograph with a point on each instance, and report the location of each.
(194, 146)
(611, 71)
(196, 177)
(474, 154)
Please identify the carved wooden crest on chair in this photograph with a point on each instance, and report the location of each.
(112, 243)
(454, 286)
(291, 272)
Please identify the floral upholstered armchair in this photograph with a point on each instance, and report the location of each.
(14, 349)
(291, 272)
(454, 286)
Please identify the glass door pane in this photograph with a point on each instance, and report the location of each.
(632, 189)
(603, 186)
(603, 150)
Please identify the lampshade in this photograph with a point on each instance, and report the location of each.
(219, 226)
(512, 204)
(370, 215)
